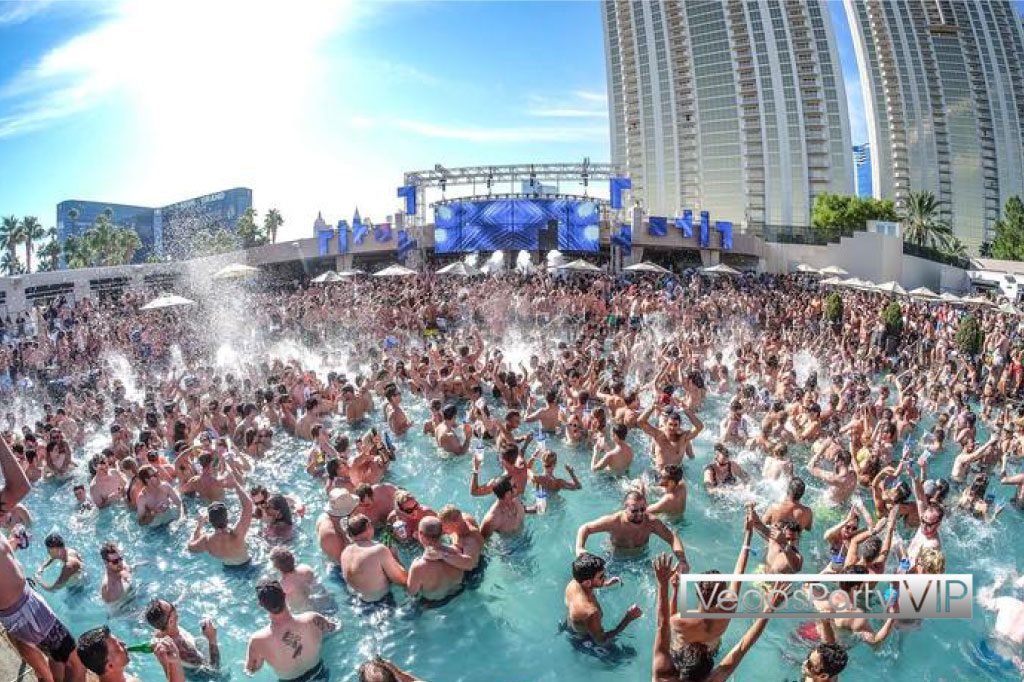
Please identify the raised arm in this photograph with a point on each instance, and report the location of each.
(732, 660)
(601, 525)
(16, 485)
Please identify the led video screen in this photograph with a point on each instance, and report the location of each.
(515, 224)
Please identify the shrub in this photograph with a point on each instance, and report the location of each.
(969, 337)
(834, 308)
(892, 315)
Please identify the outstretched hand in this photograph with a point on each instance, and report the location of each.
(663, 569)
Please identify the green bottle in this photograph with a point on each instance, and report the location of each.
(141, 648)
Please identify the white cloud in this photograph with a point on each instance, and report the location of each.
(507, 134)
(568, 112)
(598, 97)
(20, 11)
(582, 104)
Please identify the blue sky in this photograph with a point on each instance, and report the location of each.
(316, 106)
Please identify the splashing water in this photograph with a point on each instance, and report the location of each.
(472, 259)
(803, 364)
(227, 356)
(494, 264)
(555, 258)
(120, 368)
(523, 262)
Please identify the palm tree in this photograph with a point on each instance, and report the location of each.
(99, 241)
(10, 265)
(954, 248)
(921, 221)
(271, 222)
(9, 234)
(31, 232)
(76, 252)
(49, 255)
(126, 243)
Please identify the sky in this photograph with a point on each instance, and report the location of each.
(317, 106)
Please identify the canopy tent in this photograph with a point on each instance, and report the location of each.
(355, 272)
(857, 283)
(950, 298)
(460, 269)
(720, 269)
(808, 269)
(890, 287)
(923, 292)
(831, 282)
(977, 300)
(395, 271)
(833, 270)
(580, 265)
(167, 301)
(327, 278)
(646, 267)
(1009, 309)
(236, 271)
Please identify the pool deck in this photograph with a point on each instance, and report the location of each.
(11, 667)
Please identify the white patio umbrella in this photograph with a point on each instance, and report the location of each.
(833, 270)
(950, 298)
(808, 269)
(720, 269)
(1009, 309)
(327, 278)
(646, 267)
(235, 271)
(395, 271)
(977, 300)
(831, 282)
(580, 265)
(856, 283)
(355, 272)
(167, 301)
(460, 269)
(890, 287)
(923, 292)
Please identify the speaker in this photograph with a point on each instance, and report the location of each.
(548, 238)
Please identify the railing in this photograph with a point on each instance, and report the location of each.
(933, 254)
(802, 234)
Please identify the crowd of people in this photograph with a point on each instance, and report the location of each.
(635, 361)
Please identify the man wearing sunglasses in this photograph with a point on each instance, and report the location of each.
(631, 528)
(117, 575)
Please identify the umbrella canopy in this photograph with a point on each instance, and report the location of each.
(856, 283)
(327, 278)
(580, 265)
(395, 271)
(460, 269)
(950, 298)
(1009, 309)
(923, 292)
(235, 271)
(977, 300)
(833, 270)
(720, 269)
(355, 272)
(809, 269)
(831, 281)
(646, 267)
(890, 287)
(167, 301)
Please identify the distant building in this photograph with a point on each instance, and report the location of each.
(166, 231)
(862, 169)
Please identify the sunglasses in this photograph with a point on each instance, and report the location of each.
(636, 510)
(408, 509)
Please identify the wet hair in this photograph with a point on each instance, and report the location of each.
(449, 514)
(108, 548)
(375, 671)
(357, 524)
(620, 431)
(430, 528)
(449, 411)
(941, 490)
(870, 548)
(205, 460)
(796, 488)
(833, 658)
(634, 495)
(503, 486)
(692, 661)
(283, 559)
(979, 485)
(332, 467)
(510, 453)
(672, 472)
(901, 492)
(156, 616)
(586, 567)
(279, 503)
(146, 472)
(218, 515)
(92, 649)
(710, 589)
(364, 492)
(54, 541)
(270, 595)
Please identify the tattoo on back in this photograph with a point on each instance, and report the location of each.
(293, 641)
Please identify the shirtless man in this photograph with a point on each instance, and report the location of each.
(842, 480)
(330, 527)
(291, 643)
(224, 543)
(158, 501)
(398, 421)
(117, 574)
(207, 483)
(34, 629)
(438, 572)
(615, 459)
(631, 528)
(791, 509)
(162, 616)
(783, 555)
(107, 485)
(355, 406)
(445, 433)
(464, 532)
(107, 657)
(671, 443)
(369, 567)
(584, 611)
(860, 627)
(548, 480)
(70, 564)
(548, 416)
(1009, 625)
(507, 512)
(298, 580)
(673, 502)
(376, 502)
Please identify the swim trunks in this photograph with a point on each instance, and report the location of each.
(318, 672)
(32, 621)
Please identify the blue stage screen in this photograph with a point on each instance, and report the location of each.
(514, 224)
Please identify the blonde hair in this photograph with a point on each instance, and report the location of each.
(931, 560)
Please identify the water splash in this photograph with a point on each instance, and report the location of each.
(803, 364)
(472, 259)
(120, 368)
(555, 258)
(523, 263)
(494, 264)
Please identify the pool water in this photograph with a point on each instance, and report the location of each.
(507, 627)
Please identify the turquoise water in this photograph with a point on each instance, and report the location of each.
(507, 627)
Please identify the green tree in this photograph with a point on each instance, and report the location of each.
(970, 339)
(31, 232)
(49, 255)
(834, 214)
(985, 250)
(10, 235)
(954, 248)
(10, 265)
(101, 241)
(834, 308)
(126, 243)
(1009, 241)
(272, 221)
(249, 232)
(76, 252)
(921, 222)
(212, 243)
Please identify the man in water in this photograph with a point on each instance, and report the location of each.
(36, 632)
(615, 459)
(224, 543)
(584, 611)
(791, 509)
(464, 531)
(438, 572)
(860, 627)
(369, 567)
(330, 527)
(117, 575)
(291, 643)
(298, 580)
(631, 528)
(382, 670)
(70, 564)
(208, 484)
(162, 616)
(673, 502)
(670, 442)
(446, 433)
(107, 657)
(1009, 625)
(507, 512)
(159, 502)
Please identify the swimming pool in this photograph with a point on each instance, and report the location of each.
(506, 628)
